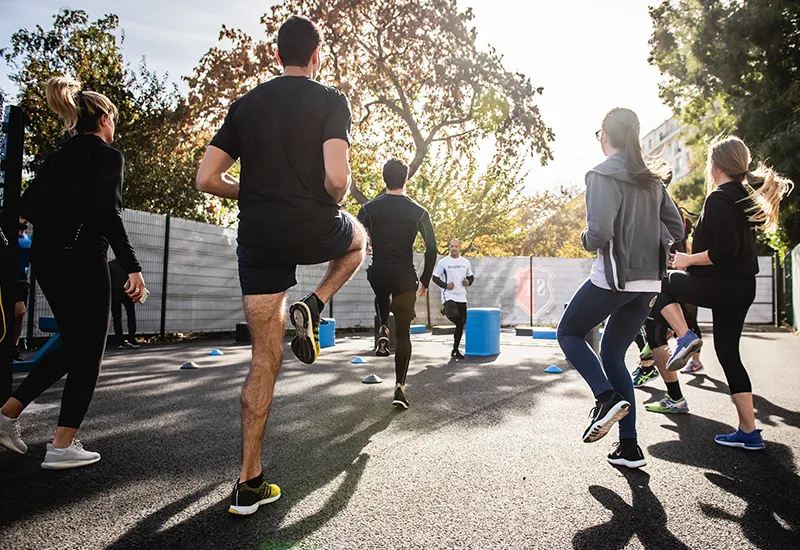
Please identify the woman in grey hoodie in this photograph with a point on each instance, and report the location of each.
(631, 223)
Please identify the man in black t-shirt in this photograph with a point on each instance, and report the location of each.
(393, 221)
(292, 136)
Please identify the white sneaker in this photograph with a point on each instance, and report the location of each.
(73, 456)
(9, 435)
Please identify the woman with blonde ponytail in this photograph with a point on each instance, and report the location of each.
(75, 204)
(720, 274)
(631, 222)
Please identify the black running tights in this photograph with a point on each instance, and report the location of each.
(729, 299)
(79, 293)
(402, 305)
(456, 312)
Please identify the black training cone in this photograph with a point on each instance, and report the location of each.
(372, 379)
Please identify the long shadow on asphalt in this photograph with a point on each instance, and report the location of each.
(645, 517)
(167, 432)
(765, 410)
(765, 480)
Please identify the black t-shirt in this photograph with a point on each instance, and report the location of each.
(277, 130)
(393, 222)
(725, 232)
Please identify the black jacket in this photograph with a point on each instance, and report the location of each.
(75, 202)
(725, 232)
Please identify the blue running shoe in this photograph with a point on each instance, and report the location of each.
(751, 441)
(687, 345)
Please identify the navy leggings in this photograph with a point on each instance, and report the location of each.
(587, 309)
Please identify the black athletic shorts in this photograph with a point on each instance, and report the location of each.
(272, 271)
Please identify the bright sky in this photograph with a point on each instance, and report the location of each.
(589, 55)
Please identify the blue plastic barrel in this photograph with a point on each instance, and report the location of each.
(483, 331)
(327, 333)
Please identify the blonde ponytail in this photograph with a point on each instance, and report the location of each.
(78, 110)
(60, 92)
(767, 189)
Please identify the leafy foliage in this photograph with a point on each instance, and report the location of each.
(734, 67)
(151, 131)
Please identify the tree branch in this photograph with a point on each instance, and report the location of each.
(453, 136)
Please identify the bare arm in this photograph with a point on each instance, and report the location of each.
(682, 261)
(337, 168)
(213, 177)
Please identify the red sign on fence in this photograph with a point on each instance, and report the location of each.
(534, 290)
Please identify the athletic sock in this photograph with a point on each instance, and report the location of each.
(320, 303)
(605, 396)
(647, 369)
(674, 390)
(627, 442)
(256, 482)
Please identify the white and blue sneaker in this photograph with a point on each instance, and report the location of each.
(751, 441)
(687, 346)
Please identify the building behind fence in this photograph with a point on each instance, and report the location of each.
(191, 271)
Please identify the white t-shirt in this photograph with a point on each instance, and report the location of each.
(598, 276)
(454, 270)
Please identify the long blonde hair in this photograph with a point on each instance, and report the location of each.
(622, 128)
(766, 186)
(78, 110)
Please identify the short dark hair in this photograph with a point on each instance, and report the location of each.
(395, 174)
(298, 37)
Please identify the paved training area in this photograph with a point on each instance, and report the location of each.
(488, 456)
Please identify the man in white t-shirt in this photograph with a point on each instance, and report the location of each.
(454, 274)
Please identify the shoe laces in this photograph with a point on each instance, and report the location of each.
(15, 429)
(76, 443)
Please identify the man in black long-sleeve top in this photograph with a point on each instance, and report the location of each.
(393, 221)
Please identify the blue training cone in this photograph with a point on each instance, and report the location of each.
(216, 352)
(552, 369)
(358, 361)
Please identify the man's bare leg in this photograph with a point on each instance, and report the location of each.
(267, 321)
(342, 269)
(661, 356)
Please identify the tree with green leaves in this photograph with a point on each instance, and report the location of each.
(412, 70)
(152, 129)
(734, 67)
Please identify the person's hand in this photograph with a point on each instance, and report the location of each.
(135, 286)
(423, 291)
(679, 260)
(451, 286)
(465, 282)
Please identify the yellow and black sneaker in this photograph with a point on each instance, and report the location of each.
(246, 500)
(305, 318)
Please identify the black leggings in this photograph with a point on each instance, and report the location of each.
(457, 313)
(729, 299)
(656, 327)
(78, 290)
(119, 299)
(392, 294)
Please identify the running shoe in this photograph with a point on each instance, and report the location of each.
(400, 400)
(669, 406)
(694, 367)
(642, 375)
(382, 347)
(456, 354)
(687, 346)
(751, 441)
(18, 356)
(245, 500)
(305, 318)
(131, 345)
(9, 435)
(630, 456)
(73, 456)
(646, 354)
(604, 415)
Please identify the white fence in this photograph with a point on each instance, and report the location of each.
(203, 287)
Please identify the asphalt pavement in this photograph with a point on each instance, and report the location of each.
(488, 456)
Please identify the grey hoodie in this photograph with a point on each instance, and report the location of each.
(642, 222)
